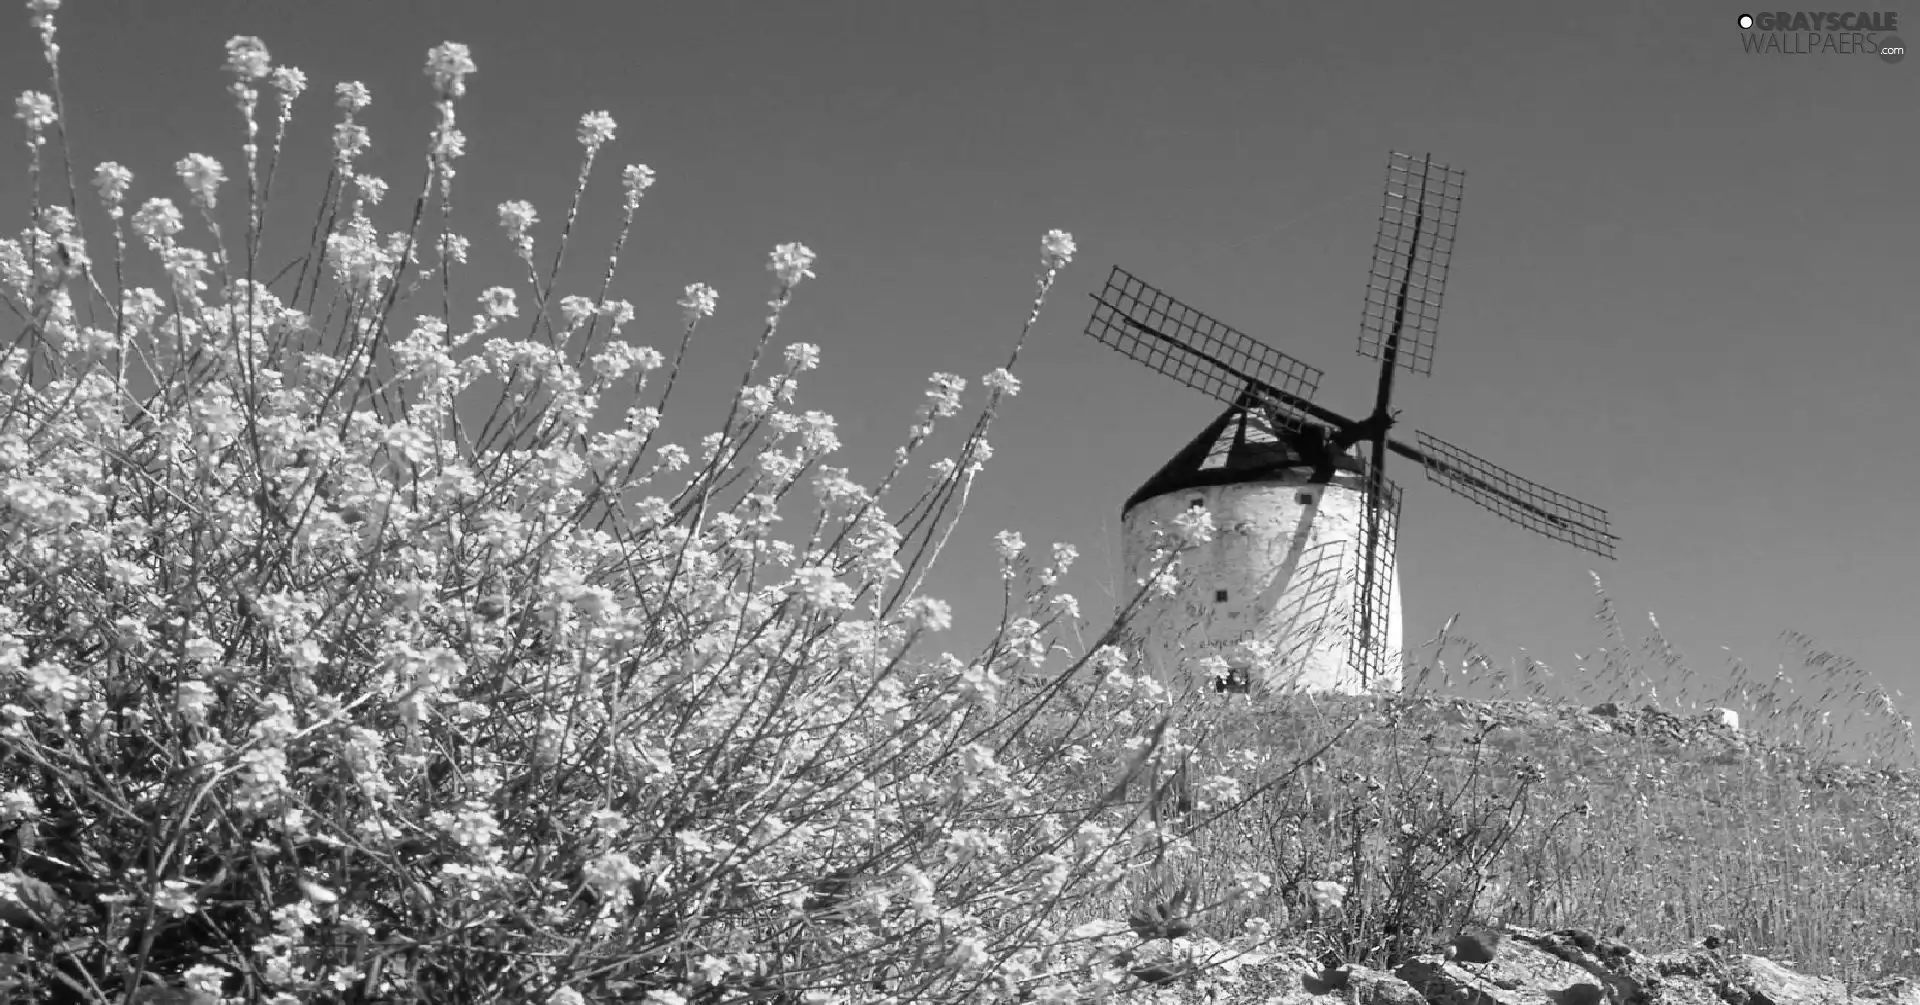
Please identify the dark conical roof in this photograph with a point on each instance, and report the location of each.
(1244, 445)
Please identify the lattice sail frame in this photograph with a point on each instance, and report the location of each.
(1146, 325)
(1412, 251)
(1551, 514)
(1371, 623)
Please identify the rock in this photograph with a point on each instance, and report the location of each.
(1890, 991)
(1373, 987)
(1515, 973)
(1769, 983)
(1476, 947)
(1521, 966)
(1296, 982)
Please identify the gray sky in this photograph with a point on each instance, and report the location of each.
(1682, 288)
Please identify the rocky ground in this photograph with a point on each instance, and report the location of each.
(1521, 966)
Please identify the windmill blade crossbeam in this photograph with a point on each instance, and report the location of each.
(1371, 624)
(1153, 328)
(1531, 505)
(1400, 318)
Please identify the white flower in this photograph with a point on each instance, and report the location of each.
(173, 898)
(247, 57)
(618, 311)
(566, 996)
(498, 303)
(54, 686)
(350, 141)
(112, 182)
(836, 491)
(803, 356)
(1009, 544)
(595, 602)
(818, 586)
(35, 110)
(518, 217)
(609, 874)
(193, 699)
(819, 436)
(1002, 382)
(371, 188)
(596, 128)
(205, 978)
(449, 145)
(474, 827)
(157, 219)
(1194, 525)
(1056, 249)
(699, 302)
(352, 95)
(290, 81)
(635, 179)
(448, 64)
(929, 613)
(576, 309)
(945, 393)
(202, 176)
(791, 262)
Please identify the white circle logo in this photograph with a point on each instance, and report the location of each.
(1746, 20)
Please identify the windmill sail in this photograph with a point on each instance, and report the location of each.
(1531, 505)
(1146, 325)
(1400, 316)
(1371, 625)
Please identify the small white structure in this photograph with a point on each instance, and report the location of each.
(1274, 594)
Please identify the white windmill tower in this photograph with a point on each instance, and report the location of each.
(1298, 587)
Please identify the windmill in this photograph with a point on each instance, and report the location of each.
(1307, 519)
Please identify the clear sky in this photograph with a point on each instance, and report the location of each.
(1683, 287)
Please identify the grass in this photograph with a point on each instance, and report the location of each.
(1795, 838)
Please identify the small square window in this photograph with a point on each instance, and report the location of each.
(1219, 596)
(1304, 498)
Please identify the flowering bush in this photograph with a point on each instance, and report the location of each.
(350, 658)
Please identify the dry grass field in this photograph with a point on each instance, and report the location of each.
(1621, 804)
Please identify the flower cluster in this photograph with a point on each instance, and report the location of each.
(339, 646)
